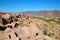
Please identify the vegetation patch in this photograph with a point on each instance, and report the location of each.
(49, 20)
(46, 32)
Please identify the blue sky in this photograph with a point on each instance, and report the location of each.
(28, 5)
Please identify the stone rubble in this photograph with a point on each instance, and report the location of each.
(21, 27)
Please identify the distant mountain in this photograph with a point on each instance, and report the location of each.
(54, 13)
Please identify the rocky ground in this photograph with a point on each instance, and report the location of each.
(23, 27)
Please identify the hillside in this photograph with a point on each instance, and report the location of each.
(28, 27)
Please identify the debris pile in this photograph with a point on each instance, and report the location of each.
(20, 27)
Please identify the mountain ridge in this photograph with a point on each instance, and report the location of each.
(54, 13)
